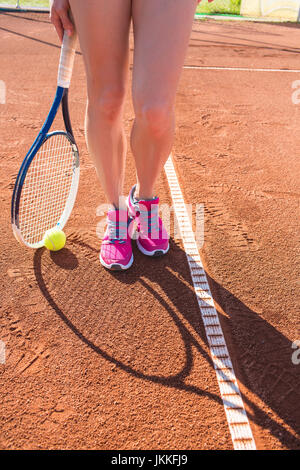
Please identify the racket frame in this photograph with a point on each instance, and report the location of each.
(61, 98)
(71, 197)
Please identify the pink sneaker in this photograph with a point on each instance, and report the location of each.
(116, 249)
(153, 239)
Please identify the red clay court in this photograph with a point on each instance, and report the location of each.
(103, 360)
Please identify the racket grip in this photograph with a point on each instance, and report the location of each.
(66, 62)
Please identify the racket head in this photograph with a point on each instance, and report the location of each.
(46, 189)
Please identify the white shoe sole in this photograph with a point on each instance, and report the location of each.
(155, 253)
(116, 266)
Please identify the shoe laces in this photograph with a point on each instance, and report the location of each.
(149, 219)
(117, 231)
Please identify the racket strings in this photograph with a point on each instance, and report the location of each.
(46, 188)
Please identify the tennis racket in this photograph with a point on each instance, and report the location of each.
(47, 183)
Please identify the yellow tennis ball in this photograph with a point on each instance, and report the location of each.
(54, 239)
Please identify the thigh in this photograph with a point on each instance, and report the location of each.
(161, 35)
(103, 29)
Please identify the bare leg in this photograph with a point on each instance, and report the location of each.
(103, 29)
(162, 31)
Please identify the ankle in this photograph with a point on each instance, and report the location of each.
(119, 204)
(143, 194)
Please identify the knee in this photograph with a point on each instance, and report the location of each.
(156, 117)
(107, 103)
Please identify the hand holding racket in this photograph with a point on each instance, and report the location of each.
(47, 182)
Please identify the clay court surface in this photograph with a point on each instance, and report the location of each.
(102, 360)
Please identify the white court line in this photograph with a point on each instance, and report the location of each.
(236, 415)
(239, 69)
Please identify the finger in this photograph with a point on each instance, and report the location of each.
(55, 20)
(66, 22)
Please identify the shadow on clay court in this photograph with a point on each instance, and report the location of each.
(266, 359)
(199, 41)
(261, 354)
(264, 353)
(38, 18)
(26, 36)
(253, 44)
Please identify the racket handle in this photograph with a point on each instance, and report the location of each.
(66, 62)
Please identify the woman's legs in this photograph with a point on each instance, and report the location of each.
(103, 30)
(162, 31)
